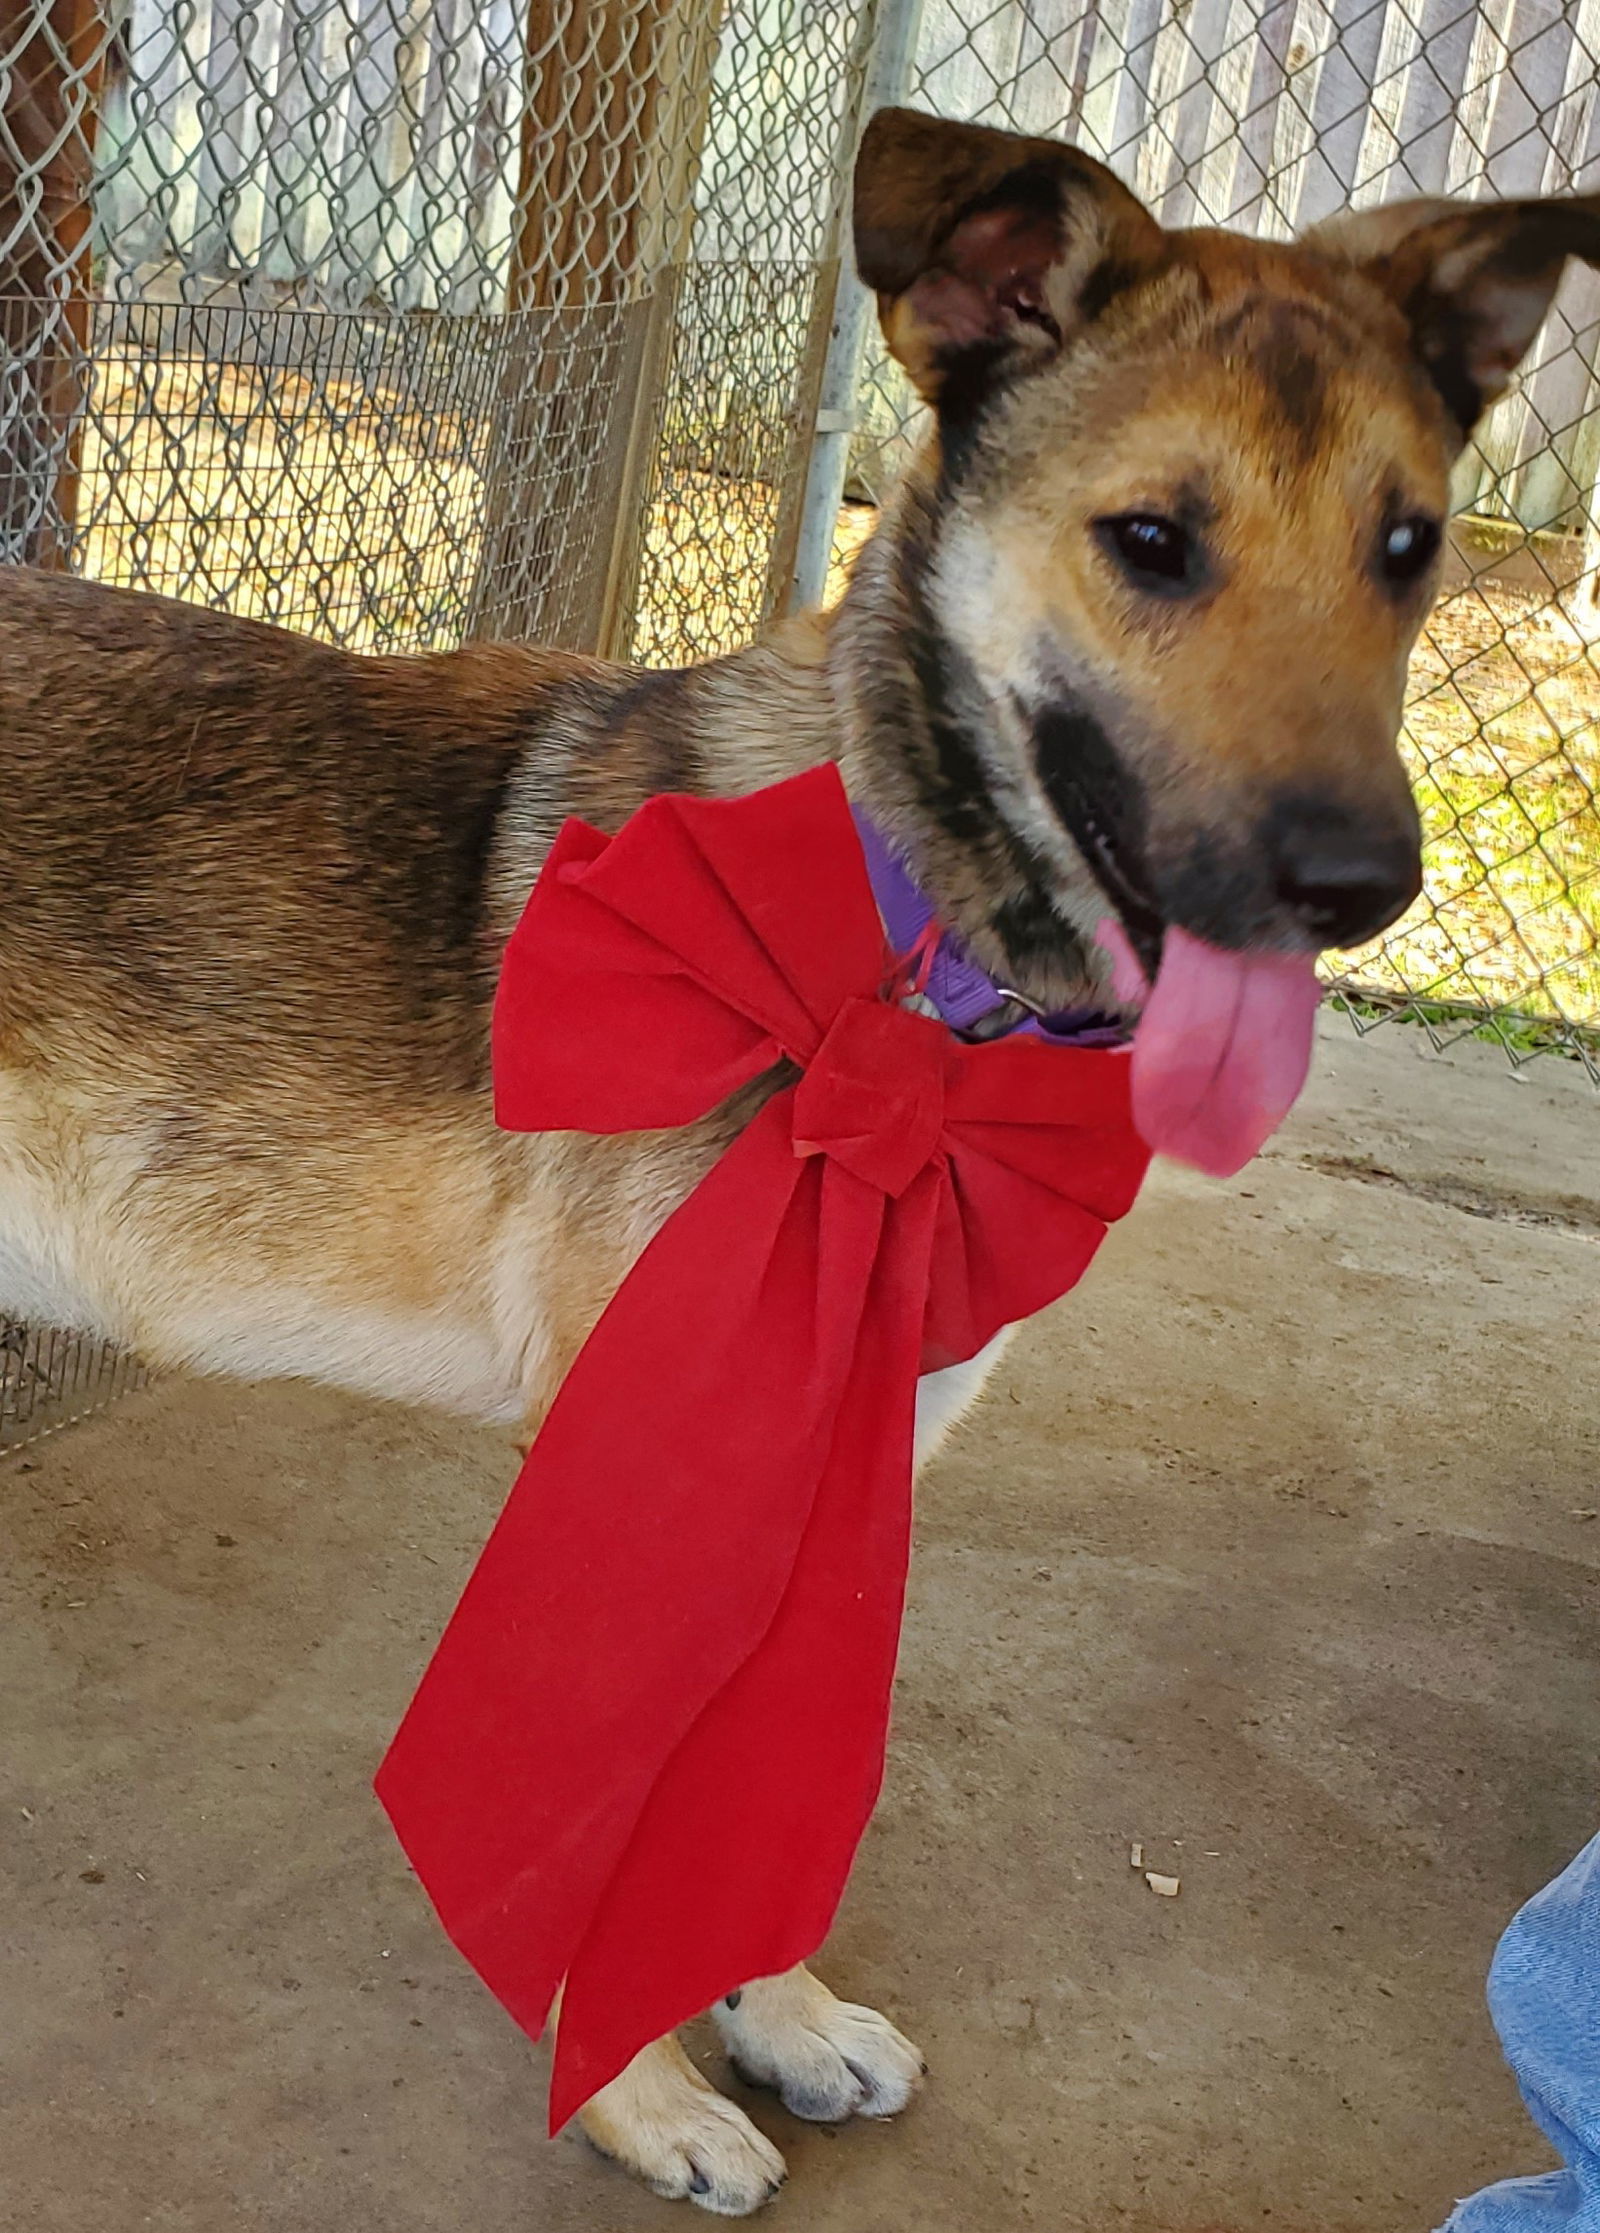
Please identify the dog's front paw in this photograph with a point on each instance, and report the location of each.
(663, 2122)
(825, 2058)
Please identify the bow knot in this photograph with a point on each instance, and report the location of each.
(873, 1095)
(695, 1587)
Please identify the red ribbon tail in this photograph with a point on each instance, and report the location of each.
(670, 1475)
(739, 1859)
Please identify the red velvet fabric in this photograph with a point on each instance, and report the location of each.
(649, 1742)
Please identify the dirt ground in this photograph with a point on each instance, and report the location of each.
(1274, 1550)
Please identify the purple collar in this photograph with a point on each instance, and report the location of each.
(964, 994)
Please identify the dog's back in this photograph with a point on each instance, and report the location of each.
(246, 961)
(206, 817)
(255, 891)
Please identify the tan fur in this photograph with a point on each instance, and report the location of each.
(253, 890)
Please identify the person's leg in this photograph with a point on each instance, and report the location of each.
(1544, 1996)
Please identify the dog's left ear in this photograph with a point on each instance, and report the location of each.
(986, 249)
(1473, 280)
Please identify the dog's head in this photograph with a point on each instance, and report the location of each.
(1183, 519)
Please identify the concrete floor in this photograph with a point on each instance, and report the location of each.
(1275, 1549)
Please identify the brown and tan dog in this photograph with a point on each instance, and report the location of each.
(1132, 637)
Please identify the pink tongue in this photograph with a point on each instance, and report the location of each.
(1221, 1050)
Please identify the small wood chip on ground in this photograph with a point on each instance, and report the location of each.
(1166, 1886)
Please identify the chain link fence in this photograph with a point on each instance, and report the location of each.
(51, 1379)
(408, 320)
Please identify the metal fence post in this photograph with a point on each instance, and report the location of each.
(895, 27)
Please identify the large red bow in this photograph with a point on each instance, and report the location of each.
(650, 1740)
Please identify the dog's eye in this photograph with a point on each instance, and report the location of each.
(1156, 554)
(1408, 548)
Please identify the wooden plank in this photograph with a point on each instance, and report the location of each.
(1206, 30)
(1432, 96)
(1340, 107)
(1253, 196)
(1131, 117)
(1548, 436)
(968, 68)
(615, 113)
(1047, 92)
(52, 107)
(1086, 37)
(1538, 40)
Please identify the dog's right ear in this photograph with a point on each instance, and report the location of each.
(1473, 280)
(987, 250)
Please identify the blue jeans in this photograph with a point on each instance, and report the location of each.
(1544, 1996)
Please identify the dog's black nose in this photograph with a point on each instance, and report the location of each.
(1344, 878)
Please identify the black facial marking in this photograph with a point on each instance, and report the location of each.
(1104, 284)
(1286, 346)
(1029, 929)
(955, 787)
(1102, 806)
(970, 379)
(917, 700)
(1292, 374)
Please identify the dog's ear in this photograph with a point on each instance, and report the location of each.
(988, 250)
(1473, 280)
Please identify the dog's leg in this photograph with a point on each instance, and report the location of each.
(944, 1398)
(667, 2125)
(825, 2058)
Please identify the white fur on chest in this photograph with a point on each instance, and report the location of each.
(944, 1397)
(485, 1360)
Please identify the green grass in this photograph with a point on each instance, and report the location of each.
(1503, 739)
(1521, 1036)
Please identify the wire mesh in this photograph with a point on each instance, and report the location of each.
(405, 320)
(50, 1378)
(1266, 115)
